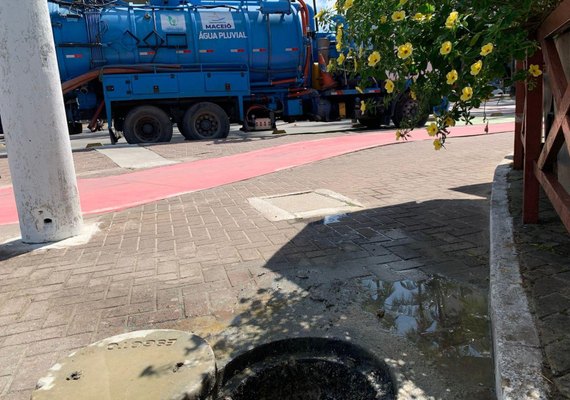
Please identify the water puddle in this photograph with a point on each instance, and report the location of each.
(440, 316)
(333, 219)
(449, 323)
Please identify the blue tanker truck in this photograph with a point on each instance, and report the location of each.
(202, 65)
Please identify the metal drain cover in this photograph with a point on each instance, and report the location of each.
(152, 364)
(317, 203)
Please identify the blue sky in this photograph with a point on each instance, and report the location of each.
(324, 3)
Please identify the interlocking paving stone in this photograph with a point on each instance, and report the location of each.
(557, 355)
(544, 251)
(195, 255)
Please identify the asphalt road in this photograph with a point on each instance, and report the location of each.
(495, 111)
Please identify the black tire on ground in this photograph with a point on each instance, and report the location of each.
(183, 131)
(423, 120)
(370, 123)
(407, 112)
(74, 128)
(205, 121)
(147, 124)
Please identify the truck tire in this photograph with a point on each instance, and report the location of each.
(205, 121)
(370, 123)
(408, 111)
(147, 124)
(75, 128)
(182, 131)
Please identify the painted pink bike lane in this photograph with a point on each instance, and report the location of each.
(115, 193)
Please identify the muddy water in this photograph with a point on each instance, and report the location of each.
(449, 323)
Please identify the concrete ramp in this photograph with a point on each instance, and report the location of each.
(134, 157)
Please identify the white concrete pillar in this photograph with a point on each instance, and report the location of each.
(35, 125)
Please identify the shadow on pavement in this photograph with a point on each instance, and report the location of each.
(408, 282)
(15, 248)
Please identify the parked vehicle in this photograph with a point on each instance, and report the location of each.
(202, 64)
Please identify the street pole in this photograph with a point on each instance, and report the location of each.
(35, 125)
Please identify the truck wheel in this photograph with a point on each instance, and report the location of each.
(183, 132)
(407, 112)
(205, 121)
(370, 123)
(74, 128)
(147, 124)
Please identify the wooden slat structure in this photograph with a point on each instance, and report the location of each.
(537, 157)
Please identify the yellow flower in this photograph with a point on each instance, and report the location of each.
(452, 76)
(413, 95)
(398, 16)
(535, 70)
(451, 20)
(432, 129)
(340, 59)
(437, 144)
(373, 59)
(405, 50)
(466, 93)
(348, 4)
(339, 33)
(402, 2)
(476, 68)
(398, 135)
(383, 19)
(445, 48)
(362, 107)
(487, 49)
(389, 86)
(449, 121)
(419, 17)
(359, 89)
(320, 14)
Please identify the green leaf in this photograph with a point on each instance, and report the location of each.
(475, 39)
(427, 8)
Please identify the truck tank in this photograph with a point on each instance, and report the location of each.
(265, 36)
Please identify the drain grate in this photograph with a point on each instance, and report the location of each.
(309, 204)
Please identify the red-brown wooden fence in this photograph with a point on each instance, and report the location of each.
(537, 157)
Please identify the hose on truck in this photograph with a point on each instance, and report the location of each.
(305, 24)
(87, 77)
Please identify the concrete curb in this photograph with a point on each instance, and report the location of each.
(517, 352)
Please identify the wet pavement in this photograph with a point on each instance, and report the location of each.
(406, 277)
(447, 321)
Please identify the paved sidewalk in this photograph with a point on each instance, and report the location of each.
(209, 263)
(544, 254)
(142, 187)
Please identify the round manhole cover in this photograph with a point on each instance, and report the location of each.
(151, 364)
(307, 369)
